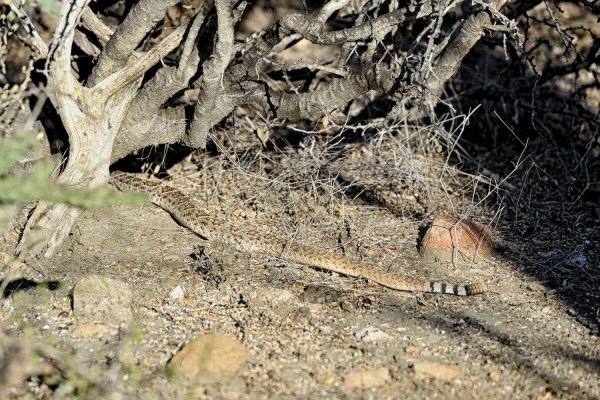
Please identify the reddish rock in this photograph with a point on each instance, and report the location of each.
(210, 358)
(466, 239)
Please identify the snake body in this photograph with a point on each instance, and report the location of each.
(189, 215)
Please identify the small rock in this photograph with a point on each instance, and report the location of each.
(546, 310)
(367, 378)
(578, 260)
(210, 358)
(177, 293)
(448, 236)
(100, 299)
(326, 330)
(436, 370)
(546, 396)
(495, 376)
(347, 306)
(302, 314)
(320, 294)
(372, 335)
(413, 350)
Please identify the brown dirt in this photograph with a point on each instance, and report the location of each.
(534, 335)
(520, 340)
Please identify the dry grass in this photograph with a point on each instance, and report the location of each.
(519, 157)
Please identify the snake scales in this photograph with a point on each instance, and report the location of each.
(189, 215)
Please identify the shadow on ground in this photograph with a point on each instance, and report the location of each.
(23, 285)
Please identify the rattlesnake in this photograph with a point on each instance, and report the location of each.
(189, 215)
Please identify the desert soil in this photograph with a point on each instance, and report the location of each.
(305, 333)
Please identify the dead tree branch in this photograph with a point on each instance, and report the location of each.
(131, 96)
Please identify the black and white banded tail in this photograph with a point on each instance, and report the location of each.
(458, 290)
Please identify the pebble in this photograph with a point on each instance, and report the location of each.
(371, 335)
(302, 314)
(210, 358)
(347, 306)
(366, 379)
(320, 294)
(495, 376)
(436, 370)
(177, 293)
(413, 350)
(578, 260)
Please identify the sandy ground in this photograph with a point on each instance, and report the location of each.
(310, 333)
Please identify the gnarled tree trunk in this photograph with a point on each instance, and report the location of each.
(122, 107)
